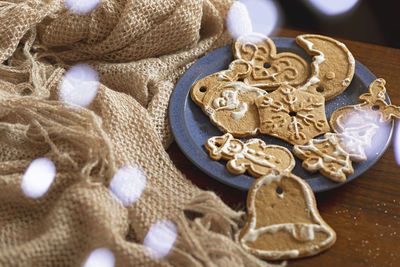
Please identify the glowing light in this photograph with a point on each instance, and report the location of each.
(333, 7)
(38, 177)
(160, 239)
(81, 6)
(100, 257)
(238, 20)
(246, 16)
(79, 85)
(396, 145)
(360, 133)
(128, 184)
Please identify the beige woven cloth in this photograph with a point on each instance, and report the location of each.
(139, 48)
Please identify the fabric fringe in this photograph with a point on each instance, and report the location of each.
(206, 239)
(52, 121)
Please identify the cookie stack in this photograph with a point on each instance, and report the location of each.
(279, 94)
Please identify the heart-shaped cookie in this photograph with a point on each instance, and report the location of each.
(269, 69)
(253, 156)
(283, 220)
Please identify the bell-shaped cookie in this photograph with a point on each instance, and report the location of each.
(283, 220)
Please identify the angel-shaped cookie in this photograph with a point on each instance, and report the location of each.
(253, 156)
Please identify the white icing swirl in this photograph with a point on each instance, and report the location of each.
(240, 113)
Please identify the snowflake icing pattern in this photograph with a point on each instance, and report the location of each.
(292, 115)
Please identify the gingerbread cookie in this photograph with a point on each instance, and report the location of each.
(253, 156)
(236, 71)
(231, 108)
(326, 156)
(355, 140)
(332, 65)
(373, 109)
(292, 115)
(269, 69)
(358, 124)
(283, 220)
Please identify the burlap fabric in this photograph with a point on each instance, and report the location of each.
(139, 48)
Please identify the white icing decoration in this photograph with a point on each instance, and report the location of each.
(210, 111)
(331, 137)
(349, 55)
(260, 153)
(222, 76)
(249, 40)
(351, 58)
(244, 88)
(227, 101)
(317, 60)
(217, 150)
(259, 161)
(346, 82)
(307, 114)
(353, 125)
(235, 148)
(248, 153)
(243, 151)
(237, 115)
(307, 230)
(251, 151)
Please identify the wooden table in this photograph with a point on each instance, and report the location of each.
(365, 213)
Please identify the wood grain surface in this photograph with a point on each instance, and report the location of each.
(365, 213)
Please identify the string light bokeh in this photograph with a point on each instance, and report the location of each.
(101, 257)
(160, 239)
(79, 85)
(259, 16)
(333, 7)
(81, 7)
(128, 184)
(38, 177)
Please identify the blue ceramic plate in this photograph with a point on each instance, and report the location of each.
(191, 127)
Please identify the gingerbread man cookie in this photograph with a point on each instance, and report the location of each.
(283, 220)
(269, 69)
(292, 115)
(332, 66)
(326, 156)
(253, 156)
